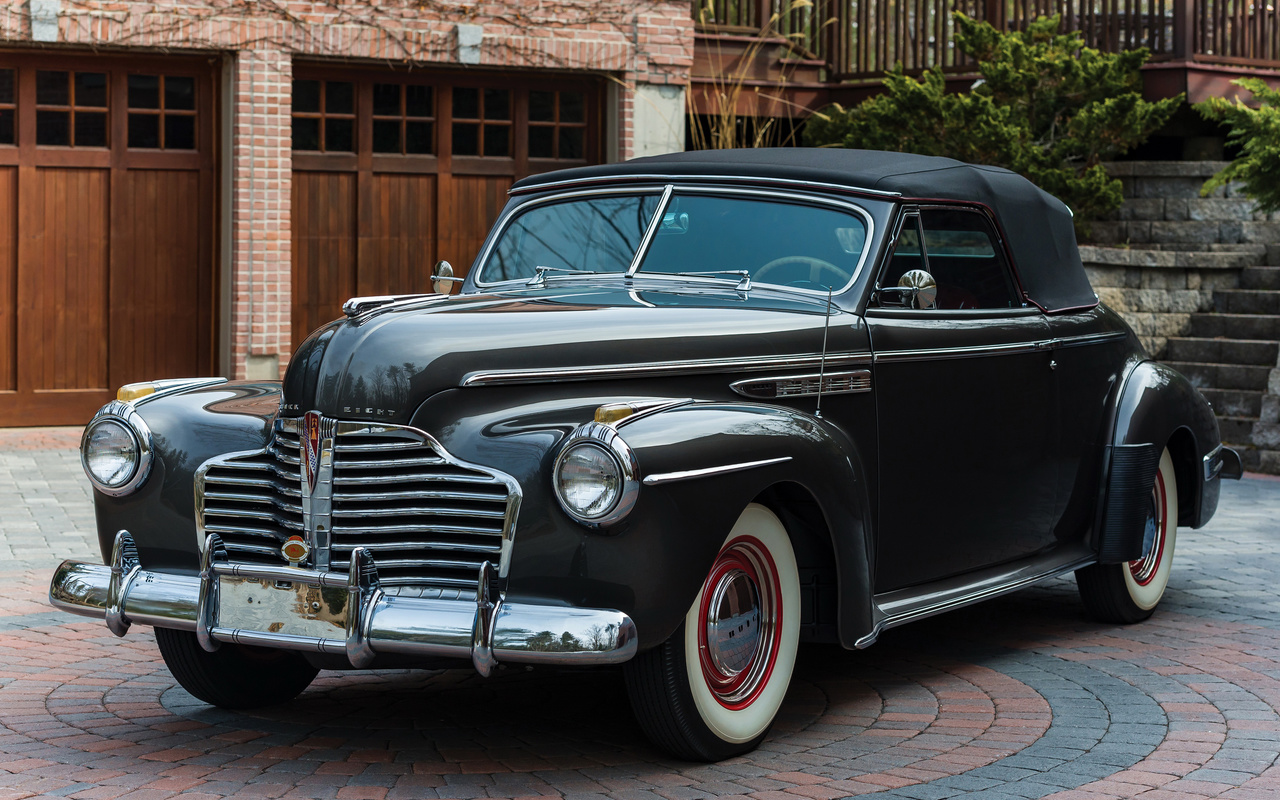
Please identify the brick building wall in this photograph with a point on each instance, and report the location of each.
(638, 45)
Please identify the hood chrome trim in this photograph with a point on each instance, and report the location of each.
(600, 372)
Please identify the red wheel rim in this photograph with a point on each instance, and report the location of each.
(740, 623)
(1143, 570)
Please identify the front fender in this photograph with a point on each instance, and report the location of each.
(187, 428)
(652, 564)
(1159, 406)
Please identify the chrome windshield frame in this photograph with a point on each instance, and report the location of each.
(668, 191)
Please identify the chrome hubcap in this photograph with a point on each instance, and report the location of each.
(1144, 569)
(733, 623)
(740, 623)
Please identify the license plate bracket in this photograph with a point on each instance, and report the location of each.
(292, 608)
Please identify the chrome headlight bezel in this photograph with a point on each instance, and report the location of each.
(606, 439)
(124, 415)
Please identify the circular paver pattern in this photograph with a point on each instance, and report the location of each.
(1018, 698)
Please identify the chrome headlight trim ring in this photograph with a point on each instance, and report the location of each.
(606, 438)
(125, 415)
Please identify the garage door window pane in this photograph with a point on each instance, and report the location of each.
(144, 91)
(417, 101)
(339, 97)
(144, 130)
(386, 136)
(541, 141)
(571, 143)
(91, 129)
(53, 128)
(52, 88)
(386, 99)
(497, 104)
(306, 96)
(338, 135)
(91, 89)
(466, 103)
(418, 138)
(179, 132)
(6, 87)
(179, 93)
(497, 140)
(306, 133)
(6, 126)
(542, 106)
(466, 139)
(572, 107)
(7, 111)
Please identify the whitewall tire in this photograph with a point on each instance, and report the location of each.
(712, 690)
(1131, 591)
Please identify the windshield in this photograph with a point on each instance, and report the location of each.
(772, 239)
(595, 234)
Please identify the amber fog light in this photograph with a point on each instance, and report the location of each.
(116, 450)
(595, 476)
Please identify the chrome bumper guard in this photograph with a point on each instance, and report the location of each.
(1223, 462)
(487, 631)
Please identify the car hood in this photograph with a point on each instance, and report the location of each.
(385, 363)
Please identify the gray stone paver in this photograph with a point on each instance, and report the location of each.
(1184, 703)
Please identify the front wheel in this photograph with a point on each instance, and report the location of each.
(1129, 592)
(712, 690)
(234, 676)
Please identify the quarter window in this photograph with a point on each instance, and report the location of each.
(960, 250)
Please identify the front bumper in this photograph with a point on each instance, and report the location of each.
(486, 631)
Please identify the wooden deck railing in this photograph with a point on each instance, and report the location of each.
(860, 39)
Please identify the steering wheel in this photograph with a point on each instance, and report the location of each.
(817, 268)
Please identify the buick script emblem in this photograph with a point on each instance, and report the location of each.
(311, 448)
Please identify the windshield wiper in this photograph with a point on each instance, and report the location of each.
(744, 276)
(540, 274)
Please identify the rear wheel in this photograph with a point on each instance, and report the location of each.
(712, 690)
(1129, 592)
(234, 676)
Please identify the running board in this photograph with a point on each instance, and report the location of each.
(891, 609)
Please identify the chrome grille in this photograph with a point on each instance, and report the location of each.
(428, 519)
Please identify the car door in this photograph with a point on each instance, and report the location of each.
(963, 396)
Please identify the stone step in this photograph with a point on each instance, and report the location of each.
(1234, 402)
(1258, 251)
(1223, 351)
(1223, 376)
(1236, 326)
(1175, 256)
(1236, 430)
(1246, 301)
(1193, 232)
(1190, 207)
(1260, 278)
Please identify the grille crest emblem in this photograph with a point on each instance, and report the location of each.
(311, 449)
(295, 550)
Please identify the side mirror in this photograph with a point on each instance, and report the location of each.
(442, 279)
(926, 290)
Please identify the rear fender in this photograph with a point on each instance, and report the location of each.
(1158, 408)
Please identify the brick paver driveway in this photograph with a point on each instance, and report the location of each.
(1020, 697)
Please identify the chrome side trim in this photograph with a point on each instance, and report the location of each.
(542, 187)
(1082, 340)
(653, 369)
(938, 354)
(691, 474)
(169, 386)
(918, 602)
(806, 385)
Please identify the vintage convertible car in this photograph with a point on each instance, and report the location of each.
(685, 413)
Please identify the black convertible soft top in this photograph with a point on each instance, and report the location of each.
(1036, 225)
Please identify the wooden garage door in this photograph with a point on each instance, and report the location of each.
(106, 221)
(393, 171)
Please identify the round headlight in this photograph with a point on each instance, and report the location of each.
(116, 450)
(110, 453)
(596, 476)
(589, 481)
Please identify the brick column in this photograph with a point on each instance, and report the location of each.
(261, 166)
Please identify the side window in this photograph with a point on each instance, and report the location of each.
(965, 260)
